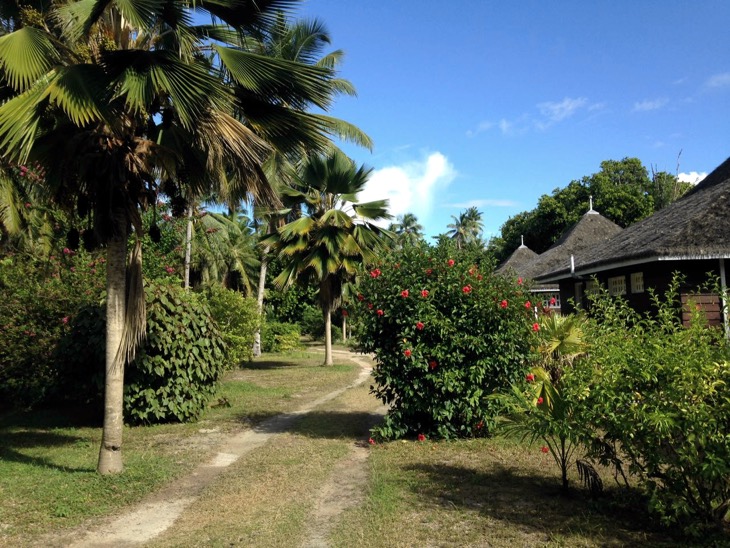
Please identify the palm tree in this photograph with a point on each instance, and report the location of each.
(407, 230)
(112, 97)
(334, 235)
(466, 228)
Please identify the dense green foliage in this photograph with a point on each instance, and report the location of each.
(238, 318)
(622, 191)
(280, 337)
(446, 334)
(178, 367)
(660, 393)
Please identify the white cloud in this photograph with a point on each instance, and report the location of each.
(692, 177)
(557, 112)
(483, 203)
(482, 127)
(410, 187)
(650, 104)
(716, 81)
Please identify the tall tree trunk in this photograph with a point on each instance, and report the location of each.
(110, 454)
(188, 247)
(260, 300)
(344, 328)
(327, 311)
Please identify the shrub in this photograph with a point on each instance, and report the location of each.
(312, 322)
(660, 393)
(446, 334)
(280, 337)
(237, 318)
(179, 366)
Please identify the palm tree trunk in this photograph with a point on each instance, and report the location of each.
(327, 311)
(188, 248)
(344, 328)
(110, 454)
(260, 301)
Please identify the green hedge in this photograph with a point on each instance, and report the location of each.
(280, 337)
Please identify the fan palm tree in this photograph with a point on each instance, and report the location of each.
(466, 228)
(110, 97)
(334, 235)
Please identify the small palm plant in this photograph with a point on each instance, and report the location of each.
(539, 411)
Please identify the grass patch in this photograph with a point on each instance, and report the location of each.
(48, 458)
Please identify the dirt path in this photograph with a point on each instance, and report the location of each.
(159, 511)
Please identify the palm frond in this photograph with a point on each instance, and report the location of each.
(25, 56)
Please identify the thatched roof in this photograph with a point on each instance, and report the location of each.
(516, 263)
(697, 226)
(592, 230)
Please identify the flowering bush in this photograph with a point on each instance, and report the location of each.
(444, 339)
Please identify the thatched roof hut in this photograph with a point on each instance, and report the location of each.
(695, 227)
(518, 261)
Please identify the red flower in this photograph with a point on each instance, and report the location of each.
(375, 273)
(360, 297)
(466, 289)
(424, 293)
(429, 271)
(432, 364)
(528, 305)
(530, 377)
(169, 269)
(552, 301)
(370, 306)
(371, 441)
(450, 262)
(379, 312)
(396, 265)
(27, 204)
(503, 304)
(479, 277)
(480, 425)
(345, 313)
(419, 326)
(64, 319)
(407, 353)
(519, 281)
(404, 293)
(540, 400)
(421, 437)
(536, 327)
(544, 449)
(67, 251)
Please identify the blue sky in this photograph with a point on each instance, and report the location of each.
(493, 104)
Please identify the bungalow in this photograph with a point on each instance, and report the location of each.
(690, 236)
(592, 229)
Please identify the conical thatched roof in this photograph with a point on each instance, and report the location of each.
(591, 231)
(697, 226)
(518, 261)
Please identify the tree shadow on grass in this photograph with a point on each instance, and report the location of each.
(12, 445)
(323, 424)
(536, 504)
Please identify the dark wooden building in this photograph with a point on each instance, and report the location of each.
(690, 236)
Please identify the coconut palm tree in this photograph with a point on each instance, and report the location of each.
(111, 97)
(334, 235)
(466, 228)
(407, 230)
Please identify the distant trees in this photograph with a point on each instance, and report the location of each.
(407, 231)
(466, 228)
(622, 191)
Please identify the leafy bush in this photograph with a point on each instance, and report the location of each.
(660, 394)
(179, 366)
(237, 318)
(312, 322)
(446, 334)
(280, 337)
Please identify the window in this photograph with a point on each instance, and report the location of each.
(551, 300)
(617, 285)
(637, 282)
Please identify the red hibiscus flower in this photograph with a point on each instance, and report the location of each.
(528, 305)
(450, 262)
(379, 312)
(536, 327)
(345, 313)
(544, 449)
(404, 293)
(479, 277)
(419, 326)
(421, 437)
(370, 306)
(360, 297)
(480, 425)
(432, 364)
(375, 273)
(429, 271)
(424, 293)
(503, 304)
(552, 301)
(540, 400)
(407, 353)
(466, 289)
(519, 281)
(64, 319)
(169, 269)
(371, 441)
(530, 377)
